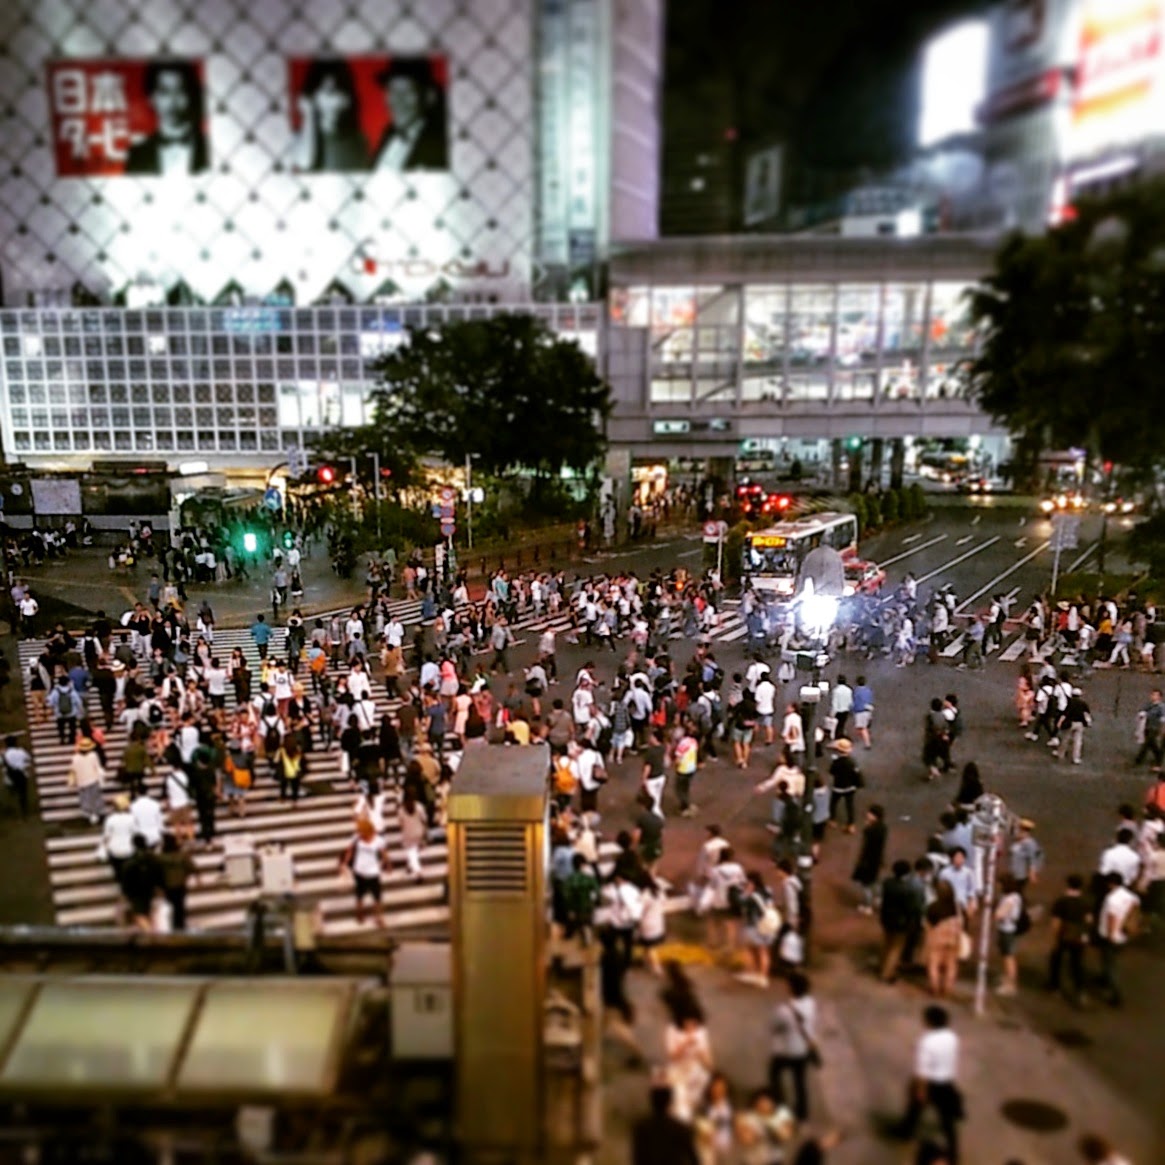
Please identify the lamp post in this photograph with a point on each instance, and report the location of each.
(810, 697)
(376, 494)
(988, 823)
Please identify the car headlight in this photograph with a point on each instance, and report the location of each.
(1110, 507)
(1047, 505)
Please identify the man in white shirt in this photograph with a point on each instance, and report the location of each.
(1112, 927)
(793, 734)
(587, 766)
(841, 702)
(582, 703)
(394, 632)
(147, 819)
(28, 611)
(755, 671)
(936, 1069)
(766, 704)
(187, 738)
(1122, 858)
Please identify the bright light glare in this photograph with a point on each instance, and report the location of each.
(818, 613)
(954, 82)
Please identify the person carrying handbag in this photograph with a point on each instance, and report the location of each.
(793, 1045)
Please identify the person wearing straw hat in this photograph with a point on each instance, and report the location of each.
(117, 835)
(87, 775)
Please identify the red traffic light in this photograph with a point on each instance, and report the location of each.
(1108, 467)
(326, 474)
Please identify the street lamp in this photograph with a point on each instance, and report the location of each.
(989, 820)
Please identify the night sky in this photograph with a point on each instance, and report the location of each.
(834, 80)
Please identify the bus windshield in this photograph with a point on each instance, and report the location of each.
(772, 558)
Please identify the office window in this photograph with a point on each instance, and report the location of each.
(950, 324)
(902, 318)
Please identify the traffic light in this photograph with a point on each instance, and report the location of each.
(326, 475)
(250, 542)
(853, 442)
(288, 539)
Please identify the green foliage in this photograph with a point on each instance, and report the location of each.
(918, 504)
(1072, 327)
(506, 391)
(1146, 543)
(857, 504)
(1092, 586)
(796, 470)
(734, 550)
(890, 506)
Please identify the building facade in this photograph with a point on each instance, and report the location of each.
(715, 344)
(233, 387)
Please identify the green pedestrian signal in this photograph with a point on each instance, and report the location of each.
(288, 539)
(250, 542)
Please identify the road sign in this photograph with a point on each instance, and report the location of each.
(448, 495)
(447, 529)
(273, 499)
(714, 531)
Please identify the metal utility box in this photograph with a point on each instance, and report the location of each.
(238, 857)
(497, 882)
(276, 870)
(422, 1001)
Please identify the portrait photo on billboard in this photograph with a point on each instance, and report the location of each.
(369, 114)
(145, 118)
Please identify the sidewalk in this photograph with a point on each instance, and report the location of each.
(867, 1036)
(84, 580)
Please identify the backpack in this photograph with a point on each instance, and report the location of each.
(269, 709)
(565, 782)
(154, 714)
(768, 925)
(272, 740)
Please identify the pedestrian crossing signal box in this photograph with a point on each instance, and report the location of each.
(498, 839)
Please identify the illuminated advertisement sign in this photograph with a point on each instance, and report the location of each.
(115, 117)
(369, 114)
(1119, 90)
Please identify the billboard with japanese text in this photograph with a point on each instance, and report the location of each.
(114, 117)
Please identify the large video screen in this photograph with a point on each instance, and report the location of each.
(369, 114)
(114, 117)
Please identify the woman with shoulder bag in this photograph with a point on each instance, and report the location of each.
(793, 1046)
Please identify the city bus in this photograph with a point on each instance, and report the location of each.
(772, 558)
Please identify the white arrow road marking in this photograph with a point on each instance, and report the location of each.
(912, 538)
(1020, 543)
(964, 540)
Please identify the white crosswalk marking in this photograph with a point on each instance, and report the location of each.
(1013, 650)
(955, 647)
(315, 830)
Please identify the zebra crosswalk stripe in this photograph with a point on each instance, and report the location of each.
(315, 830)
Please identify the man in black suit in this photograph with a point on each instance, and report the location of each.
(178, 145)
(416, 139)
(661, 1139)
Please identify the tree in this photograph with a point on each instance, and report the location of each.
(1072, 328)
(505, 391)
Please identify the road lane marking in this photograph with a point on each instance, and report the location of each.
(954, 648)
(965, 539)
(976, 519)
(690, 553)
(1086, 555)
(1000, 577)
(1020, 543)
(913, 550)
(912, 538)
(962, 558)
(1013, 650)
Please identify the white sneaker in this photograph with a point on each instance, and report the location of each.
(1054, 742)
